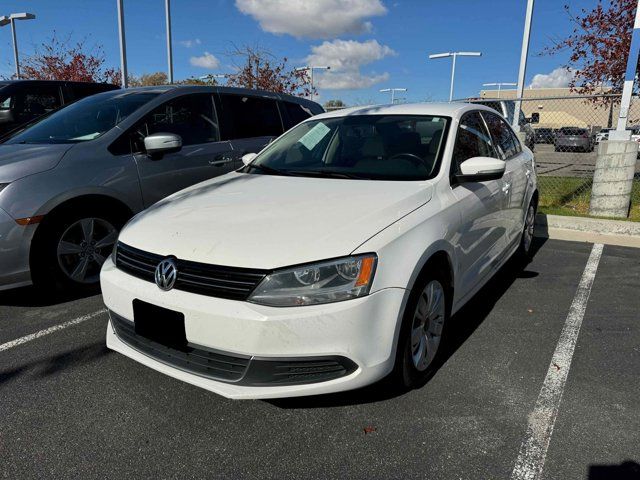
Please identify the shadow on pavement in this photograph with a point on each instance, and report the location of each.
(34, 297)
(627, 470)
(56, 363)
(461, 327)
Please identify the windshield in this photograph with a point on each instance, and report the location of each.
(380, 147)
(84, 120)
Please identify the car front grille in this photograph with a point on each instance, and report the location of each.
(213, 280)
(193, 359)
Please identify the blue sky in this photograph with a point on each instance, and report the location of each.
(371, 44)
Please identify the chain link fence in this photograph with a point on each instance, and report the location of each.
(564, 133)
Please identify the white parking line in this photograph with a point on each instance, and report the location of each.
(534, 447)
(47, 331)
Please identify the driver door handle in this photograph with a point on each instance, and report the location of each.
(220, 160)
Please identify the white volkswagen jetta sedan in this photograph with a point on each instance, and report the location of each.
(333, 258)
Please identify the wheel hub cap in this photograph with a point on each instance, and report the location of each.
(428, 321)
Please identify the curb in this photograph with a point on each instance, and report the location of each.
(592, 230)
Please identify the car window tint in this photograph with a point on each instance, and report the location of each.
(472, 140)
(296, 113)
(502, 135)
(190, 116)
(244, 116)
(37, 100)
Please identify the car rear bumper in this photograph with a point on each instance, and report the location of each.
(15, 241)
(276, 352)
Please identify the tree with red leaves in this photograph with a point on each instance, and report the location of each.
(259, 69)
(58, 59)
(599, 45)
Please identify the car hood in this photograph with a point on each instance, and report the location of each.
(267, 221)
(21, 160)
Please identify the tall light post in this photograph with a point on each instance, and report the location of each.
(526, 36)
(310, 69)
(11, 19)
(393, 92)
(167, 11)
(453, 64)
(123, 45)
(499, 85)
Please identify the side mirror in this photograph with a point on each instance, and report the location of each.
(6, 116)
(481, 169)
(248, 158)
(159, 144)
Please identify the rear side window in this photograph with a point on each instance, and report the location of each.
(244, 116)
(190, 116)
(81, 91)
(502, 135)
(296, 113)
(34, 101)
(472, 140)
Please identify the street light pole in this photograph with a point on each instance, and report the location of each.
(310, 69)
(167, 9)
(526, 36)
(123, 46)
(11, 19)
(499, 85)
(393, 91)
(454, 55)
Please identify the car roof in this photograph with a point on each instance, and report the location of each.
(4, 83)
(442, 109)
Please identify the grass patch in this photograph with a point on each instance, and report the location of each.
(571, 195)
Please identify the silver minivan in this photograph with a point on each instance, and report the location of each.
(69, 182)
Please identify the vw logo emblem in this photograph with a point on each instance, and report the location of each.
(166, 273)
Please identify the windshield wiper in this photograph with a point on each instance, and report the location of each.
(322, 173)
(265, 169)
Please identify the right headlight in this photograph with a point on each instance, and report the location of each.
(317, 283)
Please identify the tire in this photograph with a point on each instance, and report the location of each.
(415, 360)
(70, 247)
(525, 252)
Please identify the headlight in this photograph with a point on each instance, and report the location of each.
(324, 282)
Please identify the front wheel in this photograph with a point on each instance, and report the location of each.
(69, 251)
(421, 332)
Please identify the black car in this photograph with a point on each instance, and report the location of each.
(23, 100)
(544, 135)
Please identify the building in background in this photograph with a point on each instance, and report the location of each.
(560, 107)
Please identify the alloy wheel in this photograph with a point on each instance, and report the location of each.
(529, 228)
(428, 322)
(84, 247)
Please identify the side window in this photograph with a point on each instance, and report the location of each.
(37, 100)
(502, 135)
(82, 91)
(472, 140)
(296, 113)
(191, 116)
(244, 116)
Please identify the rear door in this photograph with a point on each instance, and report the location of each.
(203, 154)
(519, 168)
(248, 122)
(483, 225)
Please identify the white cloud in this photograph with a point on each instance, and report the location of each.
(190, 43)
(313, 18)
(346, 58)
(205, 61)
(560, 77)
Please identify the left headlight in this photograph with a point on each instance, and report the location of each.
(313, 284)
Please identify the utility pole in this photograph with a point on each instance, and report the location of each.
(123, 45)
(167, 10)
(526, 36)
(454, 55)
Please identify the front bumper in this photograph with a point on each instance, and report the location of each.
(15, 242)
(360, 333)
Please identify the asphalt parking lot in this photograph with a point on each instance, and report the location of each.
(72, 409)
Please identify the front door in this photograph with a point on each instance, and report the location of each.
(482, 229)
(203, 155)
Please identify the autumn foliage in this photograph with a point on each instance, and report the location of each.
(599, 45)
(259, 69)
(58, 59)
